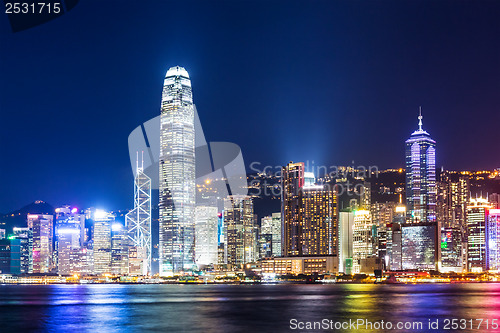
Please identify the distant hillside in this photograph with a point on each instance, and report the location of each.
(18, 218)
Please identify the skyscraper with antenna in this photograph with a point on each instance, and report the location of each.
(138, 222)
(421, 176)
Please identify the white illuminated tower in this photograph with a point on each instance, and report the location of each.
(138, 220)
(103, 222)
(206, 235)
(177, 174)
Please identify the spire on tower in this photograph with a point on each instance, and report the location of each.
(420, 119)
(141, 168)
(137, 160)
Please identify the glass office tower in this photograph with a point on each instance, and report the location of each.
(177, 174)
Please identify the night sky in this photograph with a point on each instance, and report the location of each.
(326, 81)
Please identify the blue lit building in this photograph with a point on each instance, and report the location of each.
(421, 176)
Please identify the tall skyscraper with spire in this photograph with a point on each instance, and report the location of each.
(177, 174)
(421, 176)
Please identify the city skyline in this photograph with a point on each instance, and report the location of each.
(254, 166)
(364, 73)
(329, 225)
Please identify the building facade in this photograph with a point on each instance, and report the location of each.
(420, 246)
(301, 265)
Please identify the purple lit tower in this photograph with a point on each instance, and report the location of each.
(420, 176)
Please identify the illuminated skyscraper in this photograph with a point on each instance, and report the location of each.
(25, 245)
(239, 233)
(276, 232)
(345, 231)
(271, 225)
(70, 230)
(421, 176)
(207, 221)
(41, 231)
(394, 247)
(292, 183)
(383, 213)
(138, 222)
(9, 256)
(362, 240)
(477, 235)
(383, 216)
(319, 220)
(177, 174)
(102, 241)
(15, 252)
(451, 250)
(119, 249)
(309, 214)
(494, 240)
(452, 199)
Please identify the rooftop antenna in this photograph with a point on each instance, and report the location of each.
(137, 160)
(420, 118)
(142, 159)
